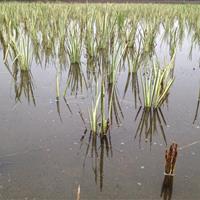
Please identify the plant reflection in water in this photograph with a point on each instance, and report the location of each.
(197, 109)
(150, 121)
(99, 147)
(23, 85)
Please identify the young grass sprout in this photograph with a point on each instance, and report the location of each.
(156, 83)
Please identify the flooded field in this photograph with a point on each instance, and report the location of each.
(91, 96)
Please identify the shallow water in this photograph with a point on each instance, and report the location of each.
(42, 155)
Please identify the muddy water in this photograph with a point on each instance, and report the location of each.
(46, 154)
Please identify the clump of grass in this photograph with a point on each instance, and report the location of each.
(93, 113)
(74, 44)
(99, 126)
(115, 57)
(21, 51)
(104, 121)
(90, 38)
(156, 84)
(4, 40)
(109, 75)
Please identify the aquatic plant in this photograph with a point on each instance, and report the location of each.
(149, 33)
(115, 57)
(156, 83)
(5, 40)
(95, 26)
(90, 38)
(107, 37)
(93, 112)
(21, 51)
(99, 126)
(104, 121)
(74, 44)
(104, 26)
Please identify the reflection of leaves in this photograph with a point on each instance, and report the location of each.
(197, 108)
(75, 79)
(114, 105)
(97, 154)
(149, 122)
(132, 77)
(58, 108)
(23, 85)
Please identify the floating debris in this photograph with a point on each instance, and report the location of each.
(138, 183)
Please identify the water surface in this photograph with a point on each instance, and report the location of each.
(46, 149)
